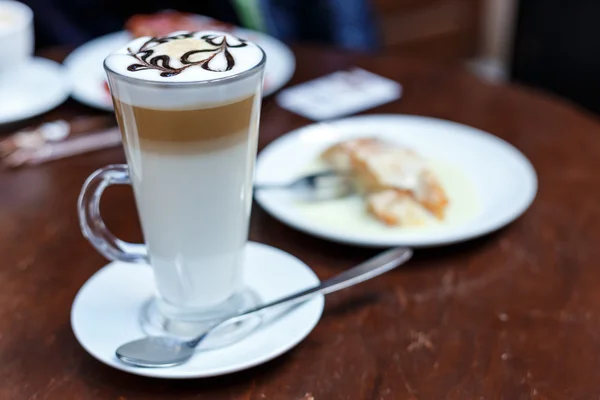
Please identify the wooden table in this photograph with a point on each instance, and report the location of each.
(515, 315)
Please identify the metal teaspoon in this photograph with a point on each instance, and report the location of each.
(163, 351)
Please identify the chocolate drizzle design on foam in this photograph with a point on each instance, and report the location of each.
(146, 60)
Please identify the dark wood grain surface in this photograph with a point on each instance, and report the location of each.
(514, 315)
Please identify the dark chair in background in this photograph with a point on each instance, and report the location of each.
(557, 48)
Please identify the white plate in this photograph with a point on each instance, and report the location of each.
(503, 181)
(106, 312)
(35, 88)
(85, 65)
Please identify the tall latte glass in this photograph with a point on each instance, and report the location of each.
(188, 108)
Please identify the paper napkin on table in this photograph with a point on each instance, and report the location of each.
(339, 94)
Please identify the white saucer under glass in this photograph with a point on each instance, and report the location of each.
(32, 89)
(109, 310)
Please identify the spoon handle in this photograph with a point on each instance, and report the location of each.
(308, 179)
(371, 268)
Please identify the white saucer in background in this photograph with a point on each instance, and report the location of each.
(502, 179)
(106, 313)
(36, 87)
(85, 65)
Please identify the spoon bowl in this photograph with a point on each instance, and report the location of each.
(155, 352)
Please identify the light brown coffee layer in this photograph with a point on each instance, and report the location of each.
(196, 147)
(203, 129)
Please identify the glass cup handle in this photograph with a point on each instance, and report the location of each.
(91, 222)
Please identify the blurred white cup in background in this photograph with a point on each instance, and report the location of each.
(16, 37)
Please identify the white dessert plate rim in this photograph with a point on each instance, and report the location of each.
(445, 139)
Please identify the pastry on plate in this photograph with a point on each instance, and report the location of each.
(339, 156)
(391, 177)
(393, 207)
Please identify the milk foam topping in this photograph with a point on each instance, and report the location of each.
(184, 57)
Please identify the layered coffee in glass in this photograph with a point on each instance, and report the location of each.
(188, 106)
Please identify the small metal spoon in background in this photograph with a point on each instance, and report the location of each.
(162, 351)
(320, 186)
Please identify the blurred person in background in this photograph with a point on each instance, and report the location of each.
(347, 24)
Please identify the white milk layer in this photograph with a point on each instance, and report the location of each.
(181, 91)
(194, 210)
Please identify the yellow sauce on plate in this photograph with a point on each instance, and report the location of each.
(350, 213)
